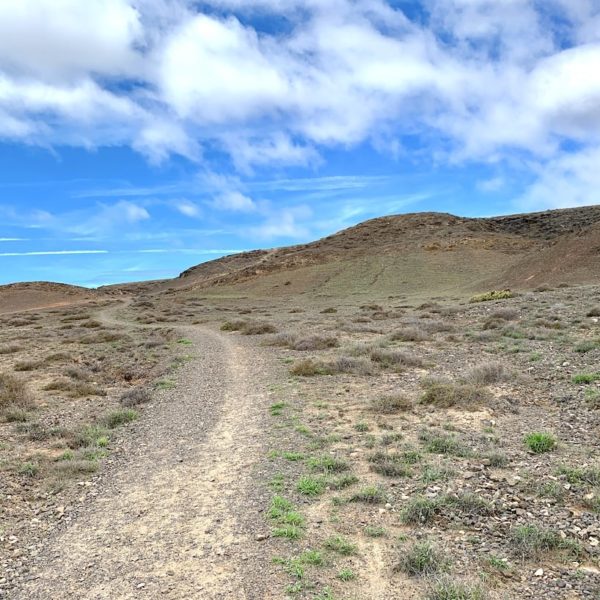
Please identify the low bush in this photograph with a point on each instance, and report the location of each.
(257, 328)
(316, 342)
(493, 295)
(395, 358)
(390, 404)
(135, 397)
(447, 395)
(487, 374)
(13, 393)
(409, 334)
(420, 559)
(531, 541)
(540, 443)
(119, 417)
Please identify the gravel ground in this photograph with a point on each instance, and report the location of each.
(177, 514)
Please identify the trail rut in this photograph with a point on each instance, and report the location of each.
(174, 517)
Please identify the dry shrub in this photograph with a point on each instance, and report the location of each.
(135, 397)
(409, 334)
(487, 374)
(447, 395)
(58, 357)
(10, 349)
(594, 312)
(309, 368)
(102, 337)
(92, 324)
(395, 358)
(355, 366)
(505, 314)
(282, 340)
(391, 403)
(13, 393)
(257, 328)
(436, 326)
(316, 342)
(74, 389)
(78, 374)
(27, 365)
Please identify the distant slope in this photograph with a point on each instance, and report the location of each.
(420, 252)
(36, 295)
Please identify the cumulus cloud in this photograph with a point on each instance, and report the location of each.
(569, 180)
(187, 208)
(284, 223)
(234, 201)
(469, 79)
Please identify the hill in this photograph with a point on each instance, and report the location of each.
(18, 297)
(419, 253)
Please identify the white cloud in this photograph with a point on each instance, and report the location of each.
(234, 201)
(53, 39)
(187, 208)
(569, 180)
(494, 184)
(54, 253)
(284, 223)
(475, 80)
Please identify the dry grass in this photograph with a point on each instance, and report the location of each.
(13, 393)
(257, 328)
(487, 374)
(316, 342)
(135, 397)
(395, 358)
(409, 334)
(390, 404)
(449, 395)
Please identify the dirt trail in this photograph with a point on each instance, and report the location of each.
(176, 517)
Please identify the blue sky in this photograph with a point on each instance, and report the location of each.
(138, 138)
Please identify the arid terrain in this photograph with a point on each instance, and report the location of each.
(407, 409)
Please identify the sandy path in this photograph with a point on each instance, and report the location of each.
(176, 517)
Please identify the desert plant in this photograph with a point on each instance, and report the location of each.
(341, 545)
(493, 295)
(390, 404)
(409, 334)
(316, 342)
(233, 325)
(531, 541)
(120, 417)
(13, 393)
(395, 359)
(450, 589)
(419, 510)
(135, 397)
(420, 559)
(487, 373)
(310, 368)
(369, 495)
(586, 378)
(539, 442)
(257, 328)
(447, 395)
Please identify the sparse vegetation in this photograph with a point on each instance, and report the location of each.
(494, 295)
(540, 443)
(420, 559)
(448, 395)
(390, 404)
(13, 393)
